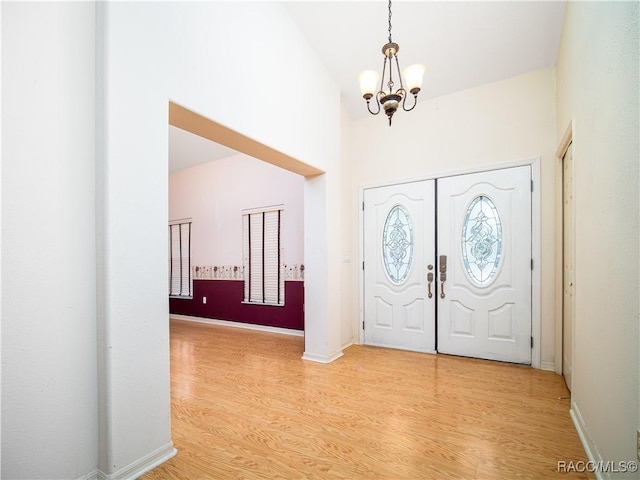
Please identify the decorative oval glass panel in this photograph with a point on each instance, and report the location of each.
(397, 244)
(482, 241)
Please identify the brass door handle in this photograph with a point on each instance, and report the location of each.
(429, 282)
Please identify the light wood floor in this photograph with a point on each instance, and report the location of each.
(244, 405)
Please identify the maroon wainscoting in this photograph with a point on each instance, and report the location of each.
(224, 302)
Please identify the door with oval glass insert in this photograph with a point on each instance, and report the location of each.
(399, 246)
(484, 230)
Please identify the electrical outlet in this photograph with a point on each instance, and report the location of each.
(204, 299)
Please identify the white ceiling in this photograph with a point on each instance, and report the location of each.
(463, 45)
(187, 149)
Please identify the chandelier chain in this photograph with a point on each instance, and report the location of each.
(389, 21)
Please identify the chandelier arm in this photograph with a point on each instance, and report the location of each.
(369, 105)
(404, 101)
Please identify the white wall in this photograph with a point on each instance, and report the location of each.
(1, 310)
(509, 120)
(349, 195)
(598, 88)
(49, 369)
(66, 191)
(215, 193)
(0, 244)
(223, 60)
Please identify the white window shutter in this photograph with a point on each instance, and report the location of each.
(185, 260)
(256, 293)
(245, 255)
(180, 279)
(174, 266)
(262, 257)
(272, 257)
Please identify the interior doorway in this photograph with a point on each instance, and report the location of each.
(189, 121)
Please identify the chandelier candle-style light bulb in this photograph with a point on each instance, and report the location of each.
(387, 98)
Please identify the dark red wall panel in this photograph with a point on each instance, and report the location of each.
(224, 302)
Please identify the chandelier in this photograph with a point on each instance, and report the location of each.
(390, 99)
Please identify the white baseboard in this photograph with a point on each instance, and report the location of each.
(347, 345)
(548, 366)
(90, 476)
(587, 442)
(312, 357)
(143, 465)
(229, 323)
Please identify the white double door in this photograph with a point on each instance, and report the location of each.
(455, 278)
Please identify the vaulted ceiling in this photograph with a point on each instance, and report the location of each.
(462, 44)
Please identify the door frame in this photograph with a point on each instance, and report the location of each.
(534, 163)
(567, 138)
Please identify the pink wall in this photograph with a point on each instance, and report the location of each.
(215, 193)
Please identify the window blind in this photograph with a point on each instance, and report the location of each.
(262, 244)
(180, 279)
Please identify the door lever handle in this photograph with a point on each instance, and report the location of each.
(443, 274)
(429, 282)
(443, 278)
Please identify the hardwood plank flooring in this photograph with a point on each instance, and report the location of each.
(245, 405)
